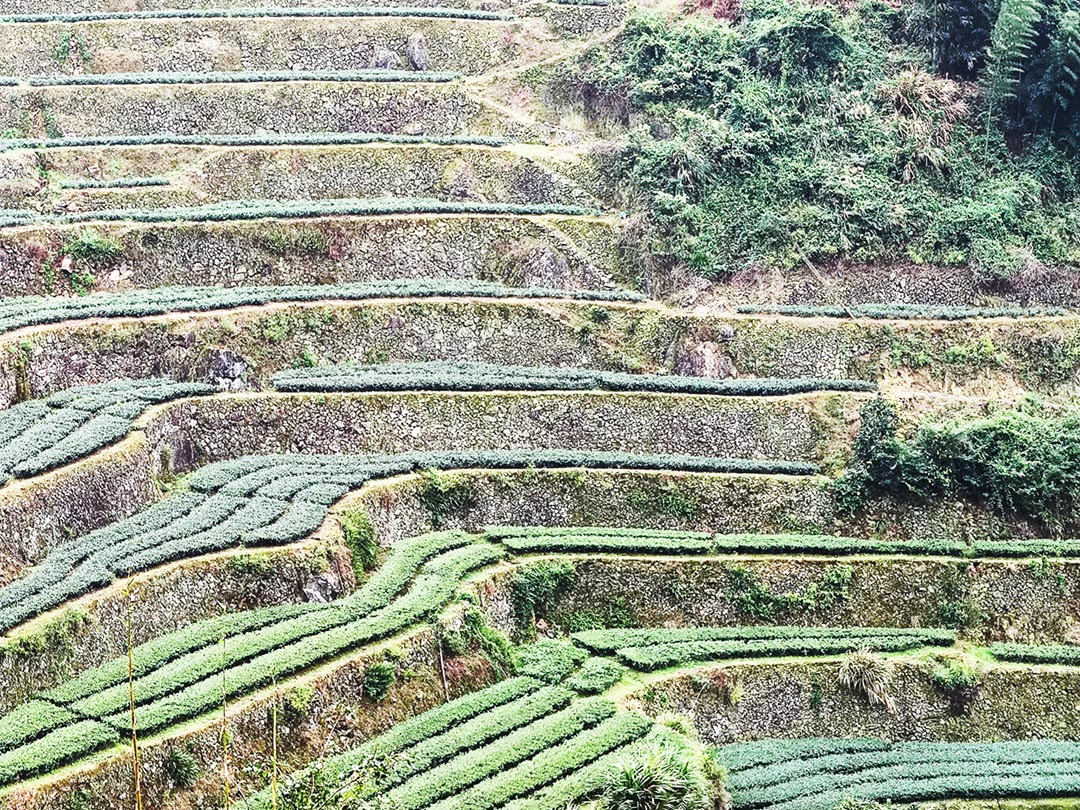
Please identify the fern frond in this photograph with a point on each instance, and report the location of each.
(1010, 46)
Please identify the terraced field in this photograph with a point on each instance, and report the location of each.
(349, 455)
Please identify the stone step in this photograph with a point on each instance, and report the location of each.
(95, 178)
(213, 104)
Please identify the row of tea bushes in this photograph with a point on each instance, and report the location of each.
(180, 676)
(600, 539)
(252, 139)
(505, 742)
(811, 774)
(1049, 654)
(246, 210)
(119, 182)
(232, 77)
(40, 435)
(269, 12)
(17, 313)
(654, 649)
(929, 312)
(476, 376)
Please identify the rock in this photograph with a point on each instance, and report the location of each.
(540, 265)
(706, 359)
(227, 370)
(322, 587)
(384, 59)
(416, 52)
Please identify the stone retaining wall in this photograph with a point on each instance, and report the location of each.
(546, 251)
(793, 699)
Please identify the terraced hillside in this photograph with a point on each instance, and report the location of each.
(352, 454)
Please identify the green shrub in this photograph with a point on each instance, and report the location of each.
(182, 768)
(378, 678)
(596, 675)
(835, 141)
(548, 660)
(1022, 461)
(959, 678)
(93, 247)
(534, 585)
(445, 496)
(359, 534)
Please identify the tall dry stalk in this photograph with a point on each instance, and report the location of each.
(224, 729)
(131, 696)
(273, 752)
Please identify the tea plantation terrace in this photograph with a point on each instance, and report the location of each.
(40, 435)
(814, 773)
(180, 676)
(17, 313)
(272, 500)
(467, 742)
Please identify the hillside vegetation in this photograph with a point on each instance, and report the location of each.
(777, 133)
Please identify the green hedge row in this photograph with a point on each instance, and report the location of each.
(183, 656)
(40, 435)
(662, 656)
(450, 778)
(596, 675)
(17, 313)
(235, 77)
(471, 376)
(259, 13)
(265, 139)
(911, 771)
(247, 210)
(611, 640)
(242, 476)
(31, 721)
(901, 311)
(567, 791)
(1061, 654)
(432, 589)
(119, 182)
(746, 755)
(550, 765)
(54, 750)
(478, 731)
(923, 753)
(601, 539)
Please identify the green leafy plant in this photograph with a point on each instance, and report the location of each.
(378, 678)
